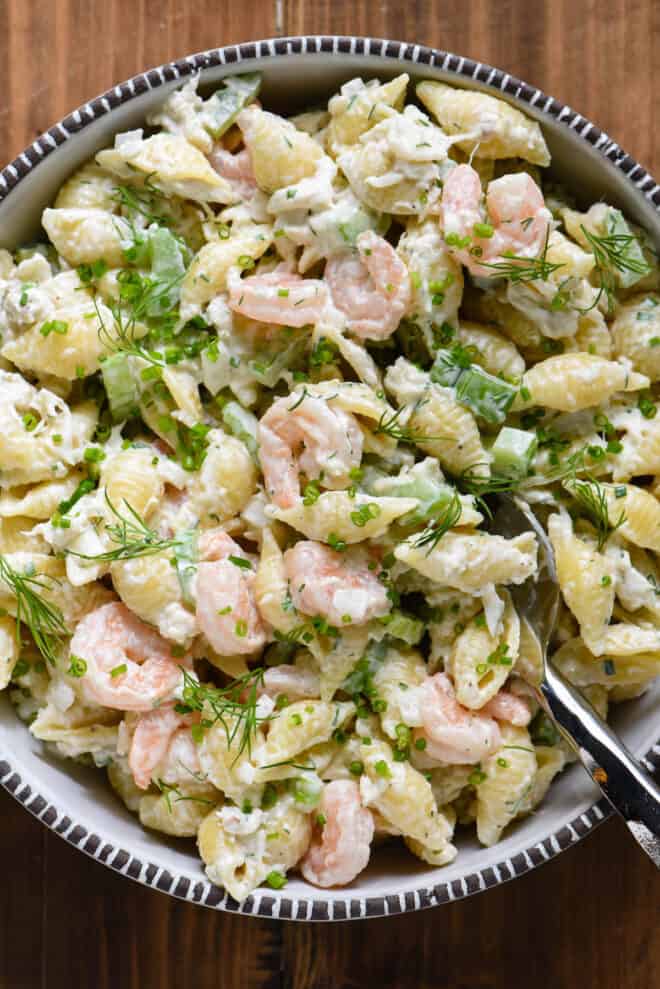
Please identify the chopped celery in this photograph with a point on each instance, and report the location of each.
(242, 424)
(360, 680)
(487, 396)
(268, 368)
(424, 481)
(221, 109)
(362, 219)
(167, 254)
(513, 451)
(340, 224)
(120, 386)
(629, 273)
(401, 625)
(168, 267)
(185, 554)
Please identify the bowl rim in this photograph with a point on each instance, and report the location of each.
(263, 902)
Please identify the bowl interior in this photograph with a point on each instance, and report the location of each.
(291, 83)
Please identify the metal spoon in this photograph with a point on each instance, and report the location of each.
(629, 789)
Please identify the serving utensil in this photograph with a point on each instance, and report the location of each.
(627, 786)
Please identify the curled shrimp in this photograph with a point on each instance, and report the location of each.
(342, 850)
(505, 706)
(226, 608)
(162, 738)
(515, 218)
(292, 681)
(277, 297)
(453, 733)
(129, 665)
(304, 433)
(338, 586)
(372, 289)
(236, 169)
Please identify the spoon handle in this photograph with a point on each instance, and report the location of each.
(629, 789)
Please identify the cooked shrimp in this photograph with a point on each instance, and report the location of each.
(304, 433)
(505, 706)
(371, 289)
(342, 850)
(161, 738)
(292, 681)
(515, 213)
(454, 734)
(237, 169)
(226, 609)
(216, 544)
(338, 586)
(129, 665)
(278, 297)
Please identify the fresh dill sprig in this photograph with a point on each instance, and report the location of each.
(592, 499)
(390, 425)
(296, 634)
(517, 268)
(167, 789)
(567, 468)
(141, 201)
(614, 253)
(473, 482)
(139, 297)
(445, 520)
(133, 536)
(44, 619)
(233, 706)
(289, 762)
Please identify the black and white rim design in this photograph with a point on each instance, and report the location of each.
(194, 887)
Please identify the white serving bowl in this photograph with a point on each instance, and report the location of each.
(78, 803)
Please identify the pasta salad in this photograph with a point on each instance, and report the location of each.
(261, 382)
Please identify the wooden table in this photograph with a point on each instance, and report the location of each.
(588, 918)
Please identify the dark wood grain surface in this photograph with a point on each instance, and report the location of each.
(589, 918)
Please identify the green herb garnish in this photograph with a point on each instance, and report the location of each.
(44, 620)
(445, 520)
(233, 706)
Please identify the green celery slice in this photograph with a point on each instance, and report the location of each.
(185, 554)
(221, 109)
(484, 394)
(242, 424)
(513, 452)
(120, 386)
(401, 625)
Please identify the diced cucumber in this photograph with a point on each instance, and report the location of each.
(120, 386)
(185, 554)
(636, 266)
(221, 109)
(242, 424)
(487, 396)
(401, 625)
(513, 452)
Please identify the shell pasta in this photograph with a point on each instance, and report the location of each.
(263, 380)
